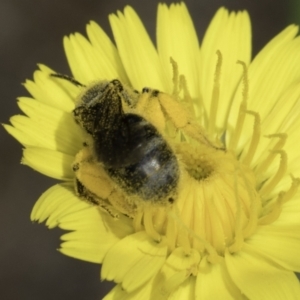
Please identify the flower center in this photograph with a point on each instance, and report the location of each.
(219, 197)
(199, 167)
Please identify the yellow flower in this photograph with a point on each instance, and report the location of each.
(233, 229)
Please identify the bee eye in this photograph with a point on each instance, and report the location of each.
(145, 90)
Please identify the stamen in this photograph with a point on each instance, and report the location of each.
(137, 222)
(239, 126)
(183, 237)
(254, 209)
(171, 233)
(242, 110)
(282, 198)
(175, 78)
(278, 146)
(270, 185)
(184, 241)
(213, 225)
(159, 219)
(180, 84)
(293, 189)
(186, 95)
(275, 211)
(255, 138)
(148, 223)
(282, 139)
(212, 255)
(215, 96)
(238, 238)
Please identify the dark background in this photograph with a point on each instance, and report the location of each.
(31, 32)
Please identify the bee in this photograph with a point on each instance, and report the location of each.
(125, 160)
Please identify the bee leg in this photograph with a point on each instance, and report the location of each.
(85, 194)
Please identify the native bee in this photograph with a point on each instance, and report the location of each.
(125, 160)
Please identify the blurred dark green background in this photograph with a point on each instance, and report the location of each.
(31, 32)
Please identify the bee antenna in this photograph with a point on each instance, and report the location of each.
(66, 77)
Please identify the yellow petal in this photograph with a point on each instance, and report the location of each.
(84, 60)
(290, 212)
(70, 89)
(46, 127)
(85, 251)
(45, 89)
(177, 38)
(213, 282)
(257, 278)
(151, 291)
(133, 261)
(137, 52)
(108, 59)
(20, 136)
(177, 270)
(279, 244)
(273, 70)
(57, 201)
(44, 113)
(48, 162)
(119, 227)
(185, 291)
(95, 232)
(89, 244)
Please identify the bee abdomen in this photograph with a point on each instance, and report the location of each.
(151, 170)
